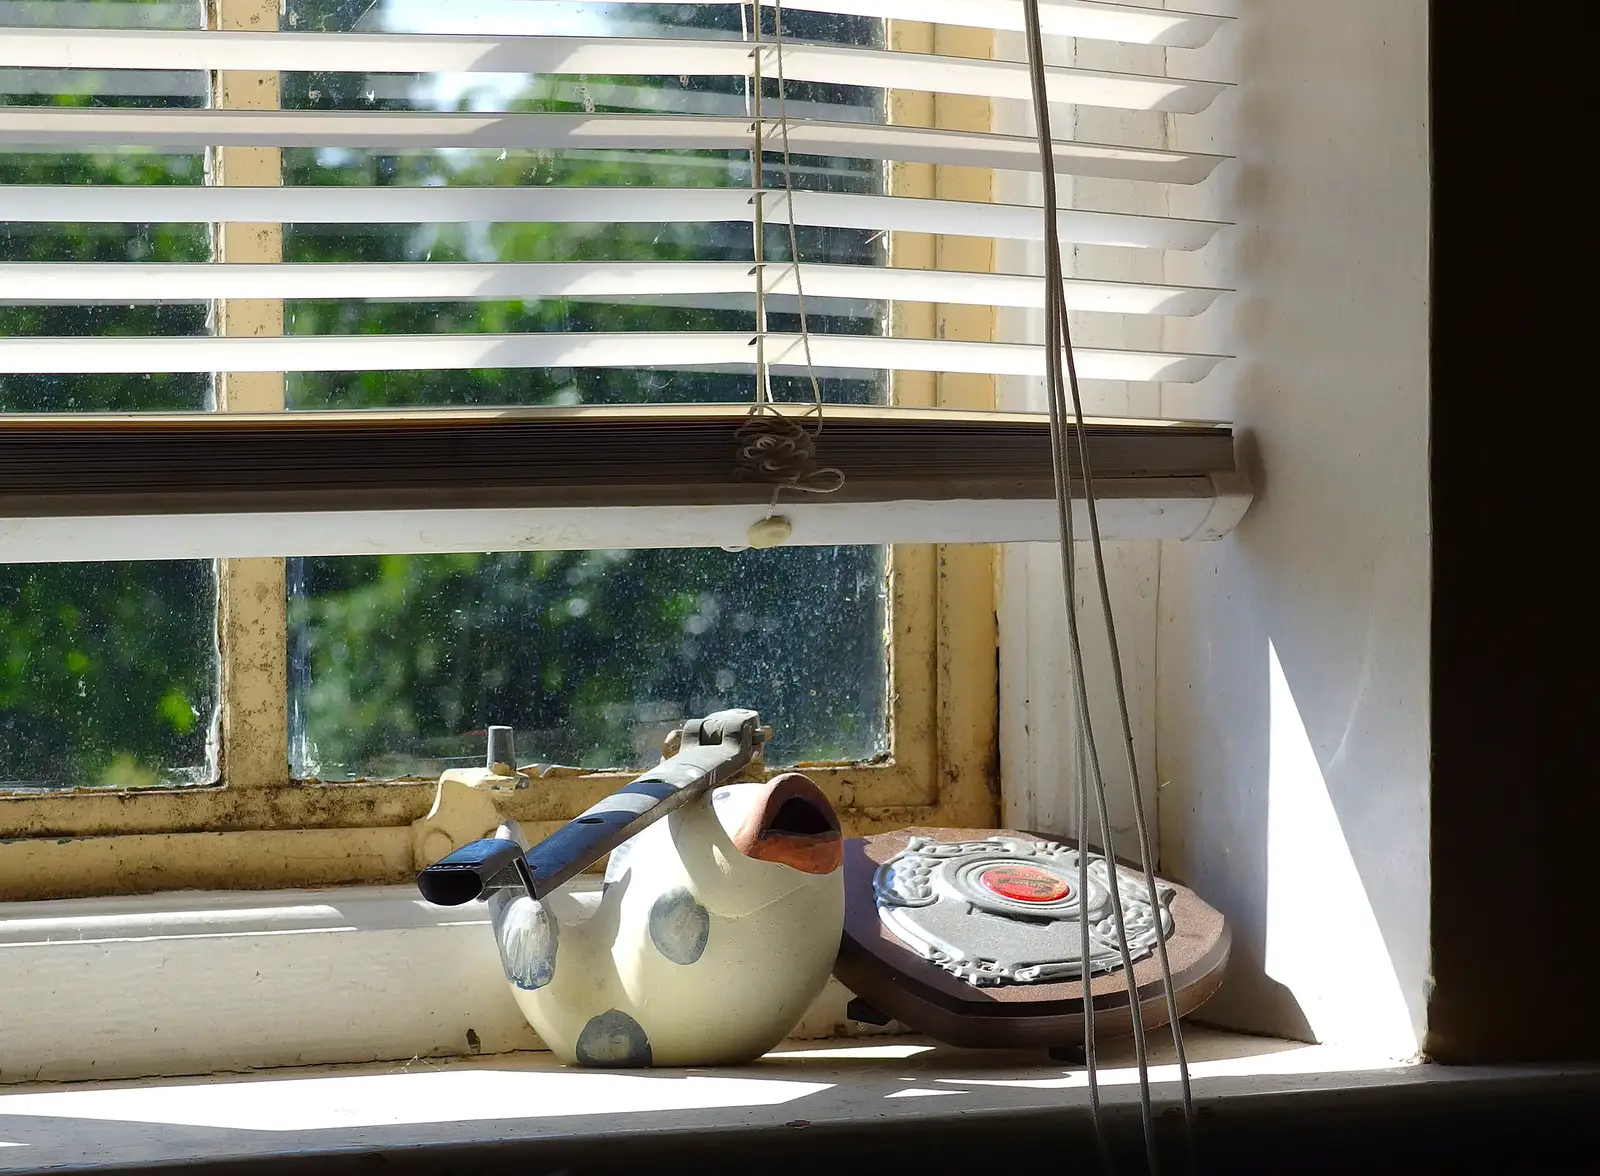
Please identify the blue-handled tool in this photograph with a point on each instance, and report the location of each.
(710, 752)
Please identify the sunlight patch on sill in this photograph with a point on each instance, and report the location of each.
(1304, 1060)
(533, 1086)
(404, 1099)
(847, 1052)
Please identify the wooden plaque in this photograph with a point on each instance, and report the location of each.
(893, 978)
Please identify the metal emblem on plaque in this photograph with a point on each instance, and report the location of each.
(1005, 910)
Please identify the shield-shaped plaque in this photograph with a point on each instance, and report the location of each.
(974, 937)
(1002, 909)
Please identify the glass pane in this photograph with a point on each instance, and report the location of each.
(398, 664)
(108, 672)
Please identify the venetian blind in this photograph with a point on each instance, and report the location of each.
(639, 133)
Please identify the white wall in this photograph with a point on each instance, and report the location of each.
(1279, 676)
(1292, 691)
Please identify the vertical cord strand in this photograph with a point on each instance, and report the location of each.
(1056, 313)
(1061, 469)
(1141, 822)
(794, 240)
(758, 168)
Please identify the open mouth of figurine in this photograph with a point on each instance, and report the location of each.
(793, 825)
(798, 817)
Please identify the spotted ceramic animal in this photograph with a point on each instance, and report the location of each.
(716, 927)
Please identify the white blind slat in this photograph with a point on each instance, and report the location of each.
(1135, 24)
(153, 204)
(403, 129)
(647, 56)
(691, 350)
(35, 282)
(1132, 23)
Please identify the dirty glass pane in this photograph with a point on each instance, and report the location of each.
(398, 664)
(108, 671)
(108, 674)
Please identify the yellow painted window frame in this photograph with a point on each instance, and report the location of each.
(258, 828)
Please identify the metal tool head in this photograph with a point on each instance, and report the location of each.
(472, 872)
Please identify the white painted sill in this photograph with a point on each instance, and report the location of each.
(200, 982)
(523, 1111)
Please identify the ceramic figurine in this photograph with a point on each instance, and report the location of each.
(718, 922)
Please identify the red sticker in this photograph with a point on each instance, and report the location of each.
(1024, 883)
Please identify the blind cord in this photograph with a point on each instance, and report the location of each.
(758, 238)
(1059, 339)
(1087, 758)
(794, 239)
(772, 446)
(1090, 1061)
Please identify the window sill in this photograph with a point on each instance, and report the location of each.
(1261, 1101)
(195, 982)
(186, 983)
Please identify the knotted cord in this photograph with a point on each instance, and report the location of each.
(774, 447)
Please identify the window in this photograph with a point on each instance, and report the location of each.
(344, 252)
(108, 676)
(397, 662)
(1288, 670)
